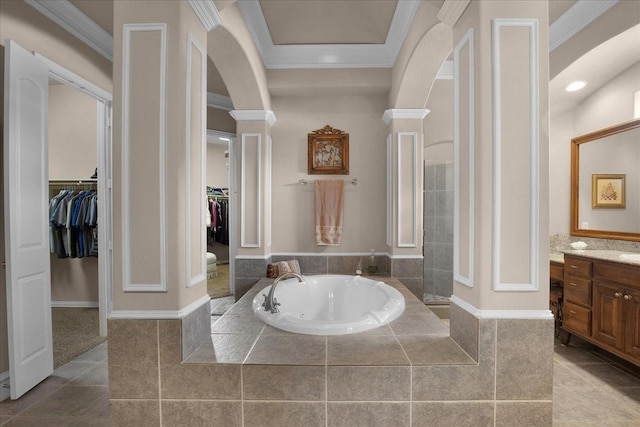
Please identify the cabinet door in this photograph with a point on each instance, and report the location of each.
(608, 320)
(632, 327)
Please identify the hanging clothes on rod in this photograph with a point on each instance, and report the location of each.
(73, 221)
(218, 219)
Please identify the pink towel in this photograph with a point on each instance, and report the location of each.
(329, 211)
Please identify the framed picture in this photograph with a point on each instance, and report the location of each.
(328, 152)
(608, 191)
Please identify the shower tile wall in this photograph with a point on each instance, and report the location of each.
(438, 232)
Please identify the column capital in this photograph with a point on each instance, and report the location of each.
(255, 115)
(207, 13)
(404, 113)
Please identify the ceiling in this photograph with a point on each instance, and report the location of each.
(358, 33)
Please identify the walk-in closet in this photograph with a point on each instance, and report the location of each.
(73, 221)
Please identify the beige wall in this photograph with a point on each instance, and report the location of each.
(73, 133)
(364, 204)
(609, 105)
(221, 120)
(35, 32)
(217, 169)
(438, 125)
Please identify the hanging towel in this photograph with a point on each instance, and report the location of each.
(329, 201)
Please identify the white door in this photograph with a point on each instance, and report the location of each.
(26, 219)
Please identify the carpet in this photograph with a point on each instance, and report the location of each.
(76, 330)
(218, 287)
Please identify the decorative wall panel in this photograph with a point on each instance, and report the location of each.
(143, 157)
(515, 155)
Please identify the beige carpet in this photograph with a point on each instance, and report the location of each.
(218, 287)
(75, 331)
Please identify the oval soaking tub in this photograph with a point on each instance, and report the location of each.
(331, 305)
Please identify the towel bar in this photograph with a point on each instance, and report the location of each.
(354, 181)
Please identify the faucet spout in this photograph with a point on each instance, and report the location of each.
(270, 303)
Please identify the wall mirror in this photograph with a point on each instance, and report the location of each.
(605, 183)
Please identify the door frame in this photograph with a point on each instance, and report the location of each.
(105, 230)
(231, 139)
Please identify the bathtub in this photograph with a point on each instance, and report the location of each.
(331, 305)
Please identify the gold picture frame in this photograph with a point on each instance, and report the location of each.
(328, 152)
(608, 191)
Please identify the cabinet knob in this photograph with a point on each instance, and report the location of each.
(628, 297)
(617, 294)
(572, 284)
(574, 266)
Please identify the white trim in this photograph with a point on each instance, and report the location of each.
(254, 115)
(446, 71)
(219, 137)
(127, 286)
(206, 12)
(467, 40)
(243, 192)
(404, 113)
(534, 165)
(220, 102)
(501, 314)
(260, 256)
(63, 75)
(267, 192)
(578, 16)
(73, 304)
(328, 56)
(451, 11)
(412, 188)
(69, 17)
(201, 274)
(392, 256)
(160, 314)
(389, 240)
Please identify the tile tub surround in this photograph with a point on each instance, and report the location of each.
(409, 271)
(408, 373)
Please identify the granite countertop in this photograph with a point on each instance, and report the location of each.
(605, 255)
(556, 257)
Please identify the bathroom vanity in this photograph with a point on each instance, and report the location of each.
(602, 301)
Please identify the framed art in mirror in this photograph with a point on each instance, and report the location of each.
(328, 152)
(606, 205)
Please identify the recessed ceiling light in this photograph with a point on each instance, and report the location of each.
(575, 86)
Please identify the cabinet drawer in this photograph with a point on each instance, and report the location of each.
(577, 318)
(577, 290)
(556, 271)
(576, 267)
(616, 272)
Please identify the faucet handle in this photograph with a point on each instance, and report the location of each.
(275, 305)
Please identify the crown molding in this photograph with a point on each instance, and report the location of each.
(328, 56)
(404, 113)
(207, 13)
(575, 19)
(69, 17)
(254, 115)
(220, 102)
(452, 10)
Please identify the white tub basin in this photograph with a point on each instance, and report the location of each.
(331, 305)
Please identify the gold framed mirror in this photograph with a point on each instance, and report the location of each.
(612, 152)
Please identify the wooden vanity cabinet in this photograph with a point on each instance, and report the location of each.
(602, 304)
(577, 296)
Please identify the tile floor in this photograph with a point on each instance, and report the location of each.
(590, 389)
(76, 394)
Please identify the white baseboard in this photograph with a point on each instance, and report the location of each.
(85, 304)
